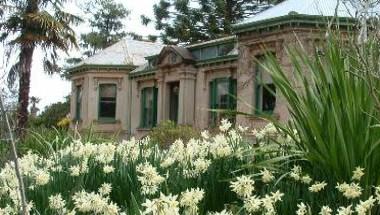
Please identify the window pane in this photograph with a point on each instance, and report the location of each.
(196, 54)
(222, 95)
(269, 98)
(78, 102)
(210, 52)
(225, 49)
(107, 101)
(149, 100)
(107, 90)
(265, 91)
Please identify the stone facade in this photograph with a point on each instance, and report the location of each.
(184, 83)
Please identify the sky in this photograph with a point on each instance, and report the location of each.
(51, 88)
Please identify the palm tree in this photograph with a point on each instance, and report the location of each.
(29, 24)
(34, 109)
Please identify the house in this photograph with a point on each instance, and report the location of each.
(133, 85)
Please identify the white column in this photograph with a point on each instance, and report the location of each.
(186, 106)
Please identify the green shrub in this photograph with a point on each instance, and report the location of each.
(167, 132)
(334, 107)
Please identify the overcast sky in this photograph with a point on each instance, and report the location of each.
(52, 88)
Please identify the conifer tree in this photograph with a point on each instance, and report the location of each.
(185, 21)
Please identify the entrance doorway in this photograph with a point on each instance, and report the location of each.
(173, 101)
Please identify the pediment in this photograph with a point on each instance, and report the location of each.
(174, 55)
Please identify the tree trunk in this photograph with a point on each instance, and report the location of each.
(26, 57)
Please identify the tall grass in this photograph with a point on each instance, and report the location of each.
(333, 106)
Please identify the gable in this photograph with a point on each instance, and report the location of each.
(174, 55)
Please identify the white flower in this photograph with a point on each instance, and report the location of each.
(190, 199)
(94, 203)
(267, 176)
(74, 170)
(302, 209)
(167, 162)
(42, 177)
(325, 210)
(149, 178)
(363, 207)
(205, 134)
(164, 205)
(243, 186)
(317, 186)
(105, 189)
(223, 212)
(345, 210)
(252, 204)
(56, 202)
(358, 173)
(225, 125)
(296, 172)
(350, 191)
(108, 169)
(306, 179)
(242, 129)
(220, 147)
(377, 193)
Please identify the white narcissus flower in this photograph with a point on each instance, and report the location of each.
(243, 186)
(325, 210)
(205, 134)
(302, 209)
(365, 206)
(190, 199)
(345, 210)
(296, 173)
(242, 129)
(149, 178)
(108, 169)
(42, 177)
(56, 202)
(220, 147)
(350, 191)
(252, 204)
(161, 206)
(358, 173)
(94, 203)
(266, 176)
(74, 170)
(225, 125)
(306, 179)
(105, 189)
(377, 193)
(317, 187)
(223, 212)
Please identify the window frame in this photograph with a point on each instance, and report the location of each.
(106, 119)
(213, 92)
(143, 116)
(259, 89)
(78, 102)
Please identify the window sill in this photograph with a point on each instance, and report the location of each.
(76, 121)
(144, 129)
(107, 121)
(262, 115)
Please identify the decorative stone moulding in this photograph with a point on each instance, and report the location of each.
(99, 80)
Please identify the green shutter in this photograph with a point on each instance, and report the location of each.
(233, 93)
(213, 93)
(142, 109)
(78, 103)
(258, 90)
(155, 96)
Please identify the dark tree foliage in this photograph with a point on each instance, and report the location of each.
(190, 21)
(106, 22)
(52, 114)
(26, 25)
